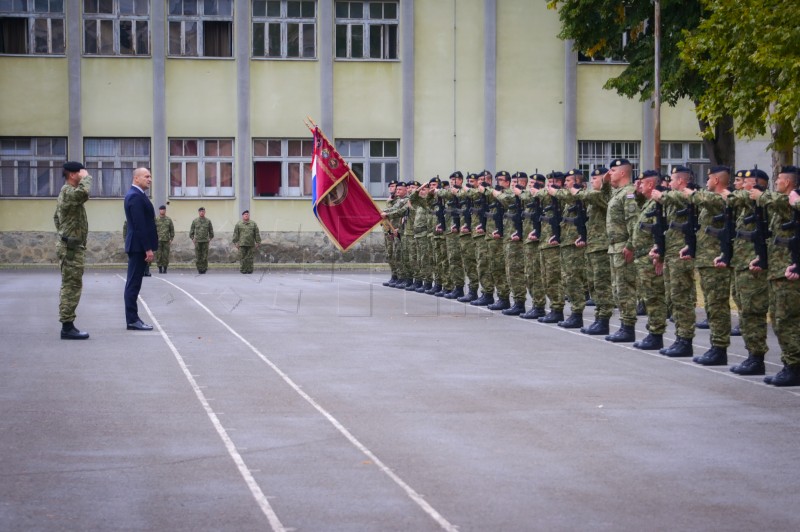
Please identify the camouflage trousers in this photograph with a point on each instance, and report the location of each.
(162, 253)
(752, 289)
(409, 257)
(246, 257)
(441, 268)
(599, 268)
(470, 259)
(455, 262)
(784, 295)
(484, 265)
(201, 256)
(72, 263)
(652, 291)
(533, 274)
(397, 250)
(515, 270)
(683, 295)
(551, 268)
(388, 243)
(573, 273)
(716, 285)
(424, 258)
(498, 267)
(623, 284)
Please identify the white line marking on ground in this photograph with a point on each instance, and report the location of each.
(412, 494)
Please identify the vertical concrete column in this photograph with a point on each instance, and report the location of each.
(647, 150)
(74, 47)
(490, 83)
(570, 105)
(407, 69)
(325, 57)
(160, 147)
(243, 171)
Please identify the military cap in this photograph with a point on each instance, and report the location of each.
(458, 174)
(519, 175)
(719, 168)
(435, 180)
(680, 169)
(416, 183)
(162, 208)
(789, 170)
(201, 209)
(392, 182)
(576, 172)
(740, 173)
(401, 184)
(445, 183)
(473, 176)
(245, 212)
(665, 178)
(73, 166)
(757, 173)
(538, 177)
(600, 170)
(556, 175)
(649, 173)
(620, 162)
(502, 173)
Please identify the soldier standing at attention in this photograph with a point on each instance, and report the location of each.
(166, 232)
(550, 252)
(201, 233)
(418, 199)
(497, 256)
(388, 237)
(246, 238)
(482, 236)
(469, 252)
(621, 217)
(72, 226)
(513, 242)
(533, 259)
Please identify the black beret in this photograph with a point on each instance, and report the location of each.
(73, 166)
(741, 173)
(502, 173)
(245, 212)
(649, 173)
(201, 209)
(576, 171)
(556, 175)
(620, 162)
(162, 207)
(719, 168)
(522, 175)
(435, 180)
(789, 170)
(757, 173)
(457, 173)
(666, 178)
(416, 183)
(473, 176)
(538, 177)
(680, 169)
(600, 170)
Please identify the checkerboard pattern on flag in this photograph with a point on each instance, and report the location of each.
(342, 205)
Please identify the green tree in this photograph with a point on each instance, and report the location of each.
(747, 53)
(597, 27)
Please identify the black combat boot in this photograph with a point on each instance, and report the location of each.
(470, 296)
(516, 310)
(598, 327)
(165, 269)
(736, 331)
(441, 292)
(650, 342)
(589, 300)
(788, 376)
(752, 365)
(70, 332)
(160, 269)
(436, 287)
(500, 304)
(575, 321)
(457, 292)
(641, 309)
(402, 284)
(484, 300)
(623, 335)
(414, 285)
(716, 356)
(391, 282)
(681, 347)
(554, 316)
(702, 324)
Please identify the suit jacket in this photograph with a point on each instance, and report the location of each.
(140, 215)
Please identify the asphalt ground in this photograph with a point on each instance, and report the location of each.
(323, 401)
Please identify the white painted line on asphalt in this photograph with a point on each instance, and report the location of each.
(255, 489)
(412, 494)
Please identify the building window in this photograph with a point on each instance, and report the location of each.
(374, 162)
(284, 29)
(116, 27)
(31, 166)
(282, 167)
(201, 167)
(112, 162)
(593, 154)
(366, 30)
(32, 27)
(201, 28)
(691, 154)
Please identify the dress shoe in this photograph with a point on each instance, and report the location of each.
(516, 310)
(139, 325)
(469, 297)
(435, 287)
(554, 316)
(575, 321)
(534, 314)
(716, 356)
(681, 347)
(484, 300)
(736, 331)
(752, 365)
(624, 334)
(70, 332)
(650, 342)
(788, 376)
(598, 327)
(457, 292)
(391, 282)
(702, 324)
(424, 288)
(500, 304)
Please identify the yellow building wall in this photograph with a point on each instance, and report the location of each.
(368, 100)
(603, 114)
(282, 94)
(201, 98)
(34, 97)
(469, 79)
(530, 88)
(679, 122)
(117, 97)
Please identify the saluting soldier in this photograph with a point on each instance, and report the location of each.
(495, 241)
(441, 268)
(482, 235)
(533, 260)
(419, 202)
(409, 243)
(549, 250)
(388, 237)
(395, 215)
(469, 251)
(514, 255)
(453, 233)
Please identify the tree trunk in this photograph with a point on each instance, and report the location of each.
(782, 146)
(721, 149)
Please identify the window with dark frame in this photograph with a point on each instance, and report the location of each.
(200, 28)
(31, 166)
(116, 27)
(201, 168)
(284, 29)
(367, 29)
(111, 161)
(32, 27)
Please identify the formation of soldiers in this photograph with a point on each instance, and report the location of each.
(610, 243)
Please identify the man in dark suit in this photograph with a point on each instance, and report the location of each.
(141, 241)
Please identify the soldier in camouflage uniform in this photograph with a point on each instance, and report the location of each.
(201, 232)
(409, 243)
(246, 238)
(436, 228)
(166, 232)
(549, 251)
(388, 237)
(752, 287)
(738, 184)
(784, 275)
(481, 235)
(715, 279)
(495, 242)
(513, 234)
(650, 267)
(72, 227)
(419, 200)
(395, 215)
(621, 216)
(452, 213)
(533, 265)
(573, 260)
(469, 251)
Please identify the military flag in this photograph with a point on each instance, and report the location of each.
(342, 205)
